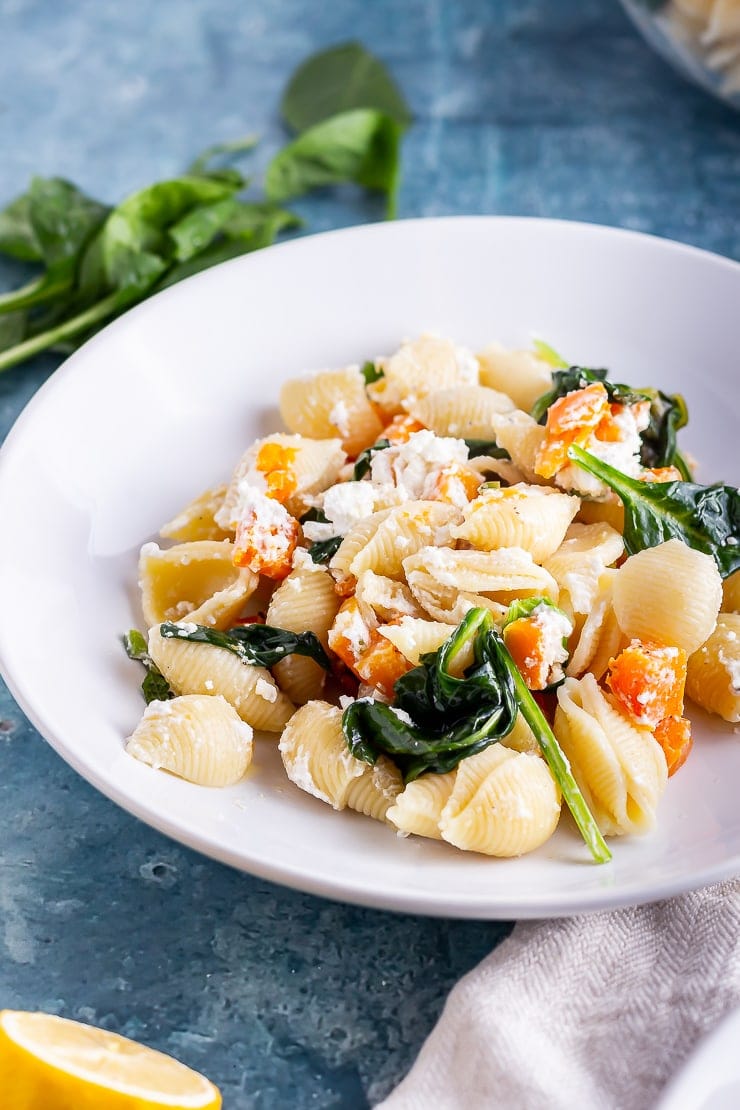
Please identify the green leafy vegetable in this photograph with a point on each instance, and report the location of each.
(96, 261)
(478, 447)
(549, 354)
(578, 377)
(365, 458)
(258, 645)
(668, 413)
(360, 146)
(371, 373)
(706, 518)
(341, 79)
(525, 606)
(323, 550)
(155, 686)
(452, 718)
(314, 515)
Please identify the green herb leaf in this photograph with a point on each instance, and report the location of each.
(668, 413)
(323, 550)
(361, 146)
(478, 447)
(706, 518)
(155, 686)
(549, 354)
(451, 717)
(523, 607)
(17, 235)
(201, 166)
(317, 516)
(337, 80)
(257, 645)
(365, 458)
(578, 377)
(371, 373)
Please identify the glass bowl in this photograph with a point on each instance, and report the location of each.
(700, 38)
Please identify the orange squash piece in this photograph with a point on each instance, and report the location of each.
(401, 428)
(275, 462)
(525, 641)
(265, 547)
(674, 736)
(648, 681)
(455, 484)
(571, 420)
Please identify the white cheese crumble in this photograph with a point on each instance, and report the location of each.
(265, 690)
(339, 417)
(555, 628)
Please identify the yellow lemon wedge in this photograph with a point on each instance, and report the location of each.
(50, 1063)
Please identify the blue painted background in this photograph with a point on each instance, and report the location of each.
(522, 106)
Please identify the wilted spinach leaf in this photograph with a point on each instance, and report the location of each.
(258, 645)
(155, 686)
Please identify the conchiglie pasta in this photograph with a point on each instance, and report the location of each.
(532, 517)
(297, 467)
(197, 668)
(317, 759)
(419, 808)
(197, 580)
(199, 738)
(420, 367)
(669, 594)
(305, 601)
(503, 803)
(598, 637)
(619, 767)
(713, 678)
(731, 593)
(499, 574)
(331, 403)
(402, 532)
(390, 600)
(522, 437)
(415, 637)
(466, 411)
(197, 521)
(521, 374)
(579, 563)
(354, 543)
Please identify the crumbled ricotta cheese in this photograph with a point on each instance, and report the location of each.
(265, 690)
(555, 628)
(409, 465)
(347, 504)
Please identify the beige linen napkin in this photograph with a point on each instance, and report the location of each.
(594, 1012)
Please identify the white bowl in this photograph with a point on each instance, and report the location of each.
(160, 405)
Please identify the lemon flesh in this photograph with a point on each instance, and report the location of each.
(48, 1061)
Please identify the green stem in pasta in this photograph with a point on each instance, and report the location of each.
(258, 645)
(706, 518)
(155, 686)
(558, 764)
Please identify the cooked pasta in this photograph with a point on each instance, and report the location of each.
(670, 594)
(201, 739)
(713, 679)
(421, 572)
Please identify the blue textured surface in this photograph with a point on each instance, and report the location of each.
(522, 106)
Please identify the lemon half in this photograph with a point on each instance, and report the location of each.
(51, 1063)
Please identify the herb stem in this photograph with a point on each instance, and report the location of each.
(33, 293)
(67, 330)
(559, 765)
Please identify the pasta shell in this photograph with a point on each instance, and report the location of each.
(197, 521)
(193, 668)
(419, 808)
(331, 403)
(503, 803)
(305, 601)
(501, 574)
(404, 531)
(466, 411)
(522, 437)
(713, 679)
(197, 580)
(532, 517)
(620, 768)
(521, 374)
(419, 367)
(415, 637)
(731, 593)
(579, 563)
(199, 738)
(376, 790)
(669, 594)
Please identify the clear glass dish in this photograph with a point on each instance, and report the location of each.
(700, 38)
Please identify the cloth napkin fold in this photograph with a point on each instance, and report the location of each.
(594, 1012)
